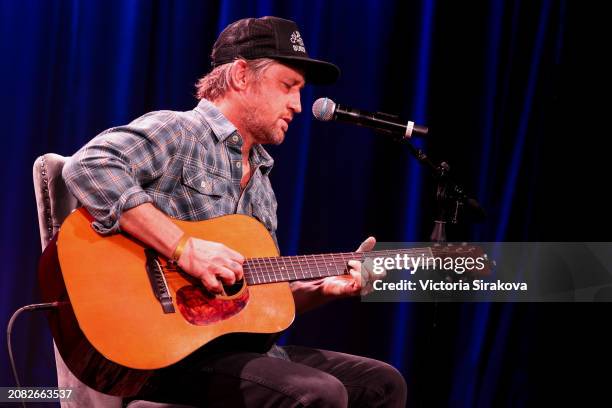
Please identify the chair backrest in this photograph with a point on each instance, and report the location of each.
(54, 203)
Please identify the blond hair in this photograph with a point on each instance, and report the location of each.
(215, 84)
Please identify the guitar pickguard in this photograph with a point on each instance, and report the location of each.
(201, 309)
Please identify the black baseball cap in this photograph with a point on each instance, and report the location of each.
(271, 37)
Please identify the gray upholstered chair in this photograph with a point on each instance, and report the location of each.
(54, 203)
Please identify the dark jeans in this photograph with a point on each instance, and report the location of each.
(295, 377)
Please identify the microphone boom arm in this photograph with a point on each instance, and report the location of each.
(448, 194)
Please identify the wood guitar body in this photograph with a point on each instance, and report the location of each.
(111, 330)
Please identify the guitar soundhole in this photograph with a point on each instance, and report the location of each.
(231, 290)
(201, 308)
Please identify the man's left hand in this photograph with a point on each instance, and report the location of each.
(357, 281)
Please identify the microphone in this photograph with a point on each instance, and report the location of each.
(324, 109)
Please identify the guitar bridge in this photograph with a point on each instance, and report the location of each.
(158, 281)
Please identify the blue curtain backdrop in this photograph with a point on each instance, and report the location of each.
(508, 88)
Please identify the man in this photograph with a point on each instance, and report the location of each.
(209, 162)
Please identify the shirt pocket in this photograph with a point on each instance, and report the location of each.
(203, 182)
(205, 195)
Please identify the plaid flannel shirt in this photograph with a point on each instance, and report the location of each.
(188, 164)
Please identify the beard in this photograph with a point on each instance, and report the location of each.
(263, 133)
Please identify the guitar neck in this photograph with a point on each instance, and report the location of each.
(301, 267)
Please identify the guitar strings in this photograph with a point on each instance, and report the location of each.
(264, 270)
(295, 267)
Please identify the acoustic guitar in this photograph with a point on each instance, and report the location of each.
(125, 311)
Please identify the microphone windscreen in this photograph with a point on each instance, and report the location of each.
(323, 109)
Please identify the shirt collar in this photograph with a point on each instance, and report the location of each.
(262, 158)
(221, 127)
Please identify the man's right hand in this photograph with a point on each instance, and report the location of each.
(212, 263)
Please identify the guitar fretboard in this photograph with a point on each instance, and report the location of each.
(301, 267)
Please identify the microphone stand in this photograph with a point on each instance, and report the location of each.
(450, 200)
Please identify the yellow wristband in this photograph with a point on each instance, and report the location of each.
(180, 247)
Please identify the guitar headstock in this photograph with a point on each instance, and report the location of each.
(464, 258)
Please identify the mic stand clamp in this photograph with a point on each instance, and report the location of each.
(438, 234)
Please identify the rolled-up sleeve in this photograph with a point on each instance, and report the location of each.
(109, 173)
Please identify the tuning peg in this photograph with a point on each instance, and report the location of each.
(486, 257)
